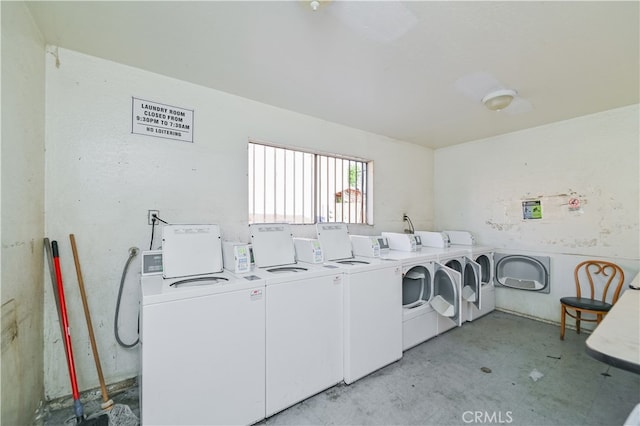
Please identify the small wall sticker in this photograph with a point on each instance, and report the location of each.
(574, 204)
(531, 209)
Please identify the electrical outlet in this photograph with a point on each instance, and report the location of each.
(151, 214)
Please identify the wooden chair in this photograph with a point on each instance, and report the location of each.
(603, 272)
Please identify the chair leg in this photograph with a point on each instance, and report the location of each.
(578, 317)
(599, 318)
(563, 312)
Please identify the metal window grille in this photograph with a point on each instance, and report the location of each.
(287, 185)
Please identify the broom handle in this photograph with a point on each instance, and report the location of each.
(87, 315)
(54, 280)
(65, 323)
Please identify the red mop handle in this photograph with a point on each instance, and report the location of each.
(65, 323)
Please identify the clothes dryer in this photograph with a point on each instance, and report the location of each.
(372, 303)
(483, 255)
(419, 319)
(202, 349)
(303, 307)
(431, 294)
(459, 259)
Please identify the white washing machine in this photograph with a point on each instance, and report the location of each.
(202, 349)
(202, 332)
(303, 319)
(372, 303)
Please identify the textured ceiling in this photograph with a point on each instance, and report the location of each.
(414, 71)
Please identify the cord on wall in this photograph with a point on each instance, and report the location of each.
(411, 229)
(154, 219)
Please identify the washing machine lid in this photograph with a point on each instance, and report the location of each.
(335, 241)
(156, 289)
(191, 250)
(272, 244)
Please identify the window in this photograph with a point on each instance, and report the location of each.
(287, 185)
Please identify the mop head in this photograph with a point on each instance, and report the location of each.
(121, 415)
(95, 420)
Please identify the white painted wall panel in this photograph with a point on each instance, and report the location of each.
(480, 186)
(101, 180)
(23, 186)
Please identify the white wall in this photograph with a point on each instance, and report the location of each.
(22, 213)
(480, 186)
(101, 180)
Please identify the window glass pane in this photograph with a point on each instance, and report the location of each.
(293, 186)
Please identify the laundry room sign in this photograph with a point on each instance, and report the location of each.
(161, 120)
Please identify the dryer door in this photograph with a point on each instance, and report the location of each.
(486, 267)
(471, 282)
(522, 272)
(446, 300)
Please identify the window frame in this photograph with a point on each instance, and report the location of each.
(362, 192)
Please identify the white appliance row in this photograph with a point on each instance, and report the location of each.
(219, 347)
(443, 284)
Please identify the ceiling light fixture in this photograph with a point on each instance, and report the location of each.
(499, 99)
(315, 4)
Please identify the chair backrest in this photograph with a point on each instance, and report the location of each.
(602, 272)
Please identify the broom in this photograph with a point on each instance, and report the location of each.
(106, 401)
(99, 420)
(118, 414)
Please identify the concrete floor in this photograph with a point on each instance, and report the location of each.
(475, 374)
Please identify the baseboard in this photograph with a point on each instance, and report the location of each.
(92, 394)
(546, 321)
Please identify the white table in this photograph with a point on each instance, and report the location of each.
(616, 340)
